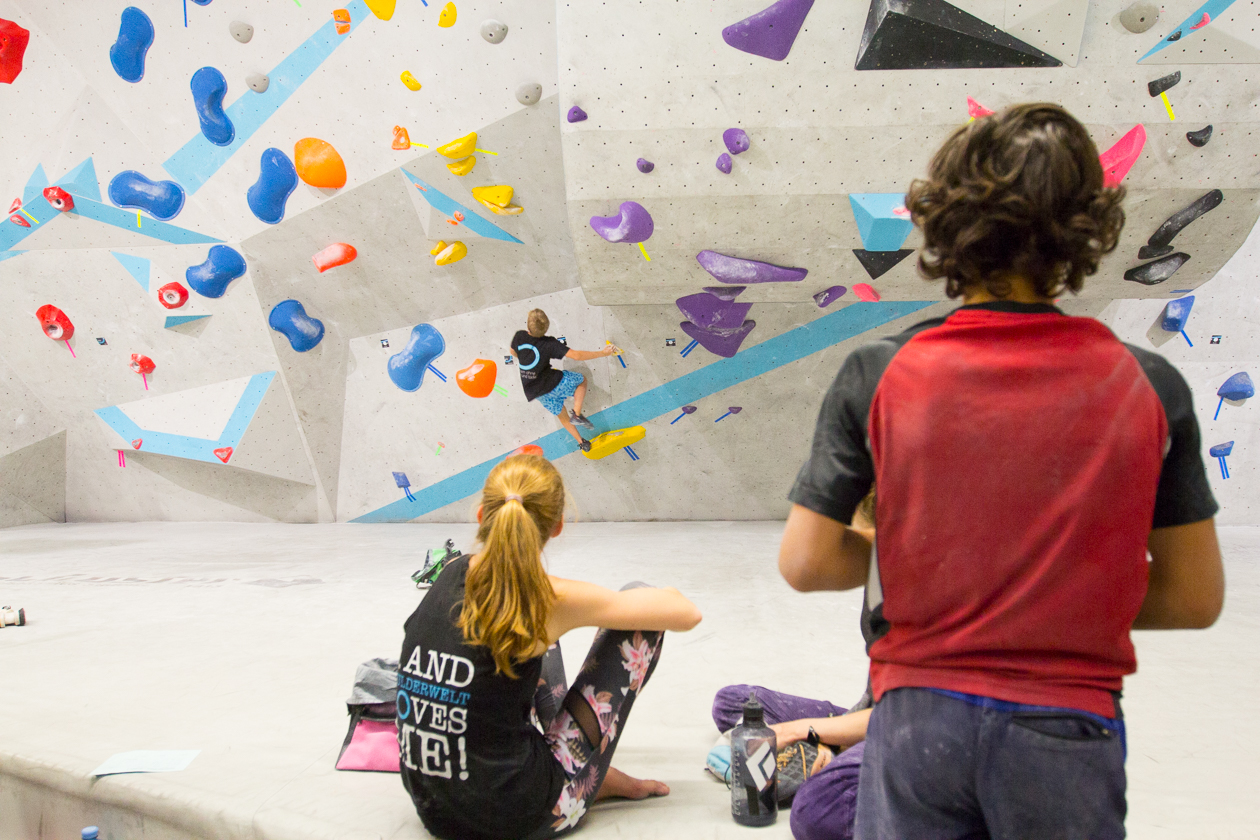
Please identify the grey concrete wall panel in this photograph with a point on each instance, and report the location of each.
(1056, 26)
(33, 483)
(249, 496)
(24, 419)
(272, 445)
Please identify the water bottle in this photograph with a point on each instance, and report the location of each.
(754, 755)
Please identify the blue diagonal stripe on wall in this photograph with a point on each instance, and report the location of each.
(770, 354)
(443, 203)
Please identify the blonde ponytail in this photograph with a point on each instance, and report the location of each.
(507, 595)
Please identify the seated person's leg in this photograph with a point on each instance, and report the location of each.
(826, 804)
(728, 706)
(552, 687)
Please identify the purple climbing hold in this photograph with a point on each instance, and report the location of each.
(736, 140)
(576, 114)
(771, 32)
(711, 312)
(725, 292)
(719, 342)
(724, 163)
(827, 296)
(735, 270)
(645, 165)
(632, 224)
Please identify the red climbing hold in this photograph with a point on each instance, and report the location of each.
(135, 444)
(1203, 21)
(975, 110)
(59, 199)
(15, 216)
(54, 323)
(13, 39)
(338, 253)
(223, 454)
(1119, 159)
(528, 449)
(173, 295)
(865, 292)
(142, 364)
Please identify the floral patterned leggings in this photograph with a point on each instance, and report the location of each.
(583, 722)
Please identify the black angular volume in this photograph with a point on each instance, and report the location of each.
(935, 35)
(878, 263)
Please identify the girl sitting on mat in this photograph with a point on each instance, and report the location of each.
(493, 743)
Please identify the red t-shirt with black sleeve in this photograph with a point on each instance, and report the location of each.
(1021, 457)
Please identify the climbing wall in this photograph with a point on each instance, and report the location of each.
(262, 260)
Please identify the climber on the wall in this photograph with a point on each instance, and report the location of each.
(549, 386)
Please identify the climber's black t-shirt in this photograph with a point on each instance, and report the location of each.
(534, 356)
(474, 764)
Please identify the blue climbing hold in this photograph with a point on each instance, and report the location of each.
(202, 2)
(277, 179)
(407, 368)
(1221, 449)
(135, 36)
(211, 278)
(1176, 313)
(289, 318)
(160, 199)
(1237, 387)
(208, 88)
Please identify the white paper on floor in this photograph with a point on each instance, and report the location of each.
(146, 761)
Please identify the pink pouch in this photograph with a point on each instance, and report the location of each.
(370, 745)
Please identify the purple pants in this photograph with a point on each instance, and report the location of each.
(826, 805)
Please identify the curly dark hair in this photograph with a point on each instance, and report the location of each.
(1020, 193)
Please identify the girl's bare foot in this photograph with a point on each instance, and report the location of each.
(620, 785)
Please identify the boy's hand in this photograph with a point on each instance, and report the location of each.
(612, 351)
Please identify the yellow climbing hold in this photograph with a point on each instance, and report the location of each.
(462, 167)
(510, 210)
(447, 254)
(461, 148)
(609, 442)
(500, 195)
(447, 17)
(410, 80)
(383, 9)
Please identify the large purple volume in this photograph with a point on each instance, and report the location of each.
(711, 312)
(771, 32)
(734, 270)
(632, 224)
(720, 342)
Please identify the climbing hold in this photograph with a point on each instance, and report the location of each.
(462, 167)
(527, 449)
(576, 114)
(211, 278)
(865, 292)
(1201, 137)
(341, 21)
(976, 111)
(933, 34)
(736, 140)
(383, 9)
(55, 323)
(711, 312)
(276, 181)
(406, 369)
(338, 253)
(208, 87)
(137, 443)
(173, 295)
(224, 454)
(500, 195)
(402, 140)
(878, 263)
(529, 93)
(1176, 313)
(477, 380)
(258, 82)
(724, 341)
(59, 199)
(826, 296)
(409, 80)
(1140, 16)
(1237, 387)
(725, 292)
(135, 36)
(645, 166)
(448, 253)
(203, 2)
(1119, 159)
(494, 31)
(461, 148)
(16, 217)
(446, 18)
(241, 31)
(141, 364)
(1221, 449)
(724, 163)
(609, 442)
(1150, 252)
(319, 164)
(771, 32)
(1178, 221)
(736, 270)
(13, 41)
(289, 318)
(1163, 83)
(882, 220)
(1153, 273)
(1203, 21)
(632, 224)
(160, 199)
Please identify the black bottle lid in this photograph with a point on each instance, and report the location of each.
(754, 713)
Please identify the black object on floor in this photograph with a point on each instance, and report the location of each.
(935, 35)
(878, 263)
(1163, 83)
(1177, 222)
(1154, 273)
(1199, 138)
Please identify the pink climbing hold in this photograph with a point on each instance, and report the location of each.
(338, 253)
(866, 292)
(1203, 21)
(975, 110)
(1119, 159)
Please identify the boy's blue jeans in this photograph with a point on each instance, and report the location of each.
(944, 766)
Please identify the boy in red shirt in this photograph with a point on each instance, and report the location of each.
(1026, 463)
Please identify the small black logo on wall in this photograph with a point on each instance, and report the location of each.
(1216, 339)
(100, 341)
(507, 360)
(669, 342)
(384, 342)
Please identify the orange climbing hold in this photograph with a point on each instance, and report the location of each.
(318, 163)
(402, 140)
(528, 449)
(477, 380)
(342, 19)
(338, 253)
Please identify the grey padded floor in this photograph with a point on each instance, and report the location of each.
(242, 640)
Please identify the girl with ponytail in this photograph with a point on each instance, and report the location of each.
(494, 744)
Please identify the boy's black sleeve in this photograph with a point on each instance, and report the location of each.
(551, 348)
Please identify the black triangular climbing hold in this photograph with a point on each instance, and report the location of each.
(878, 263)
(1154, 273)
(934, 35)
